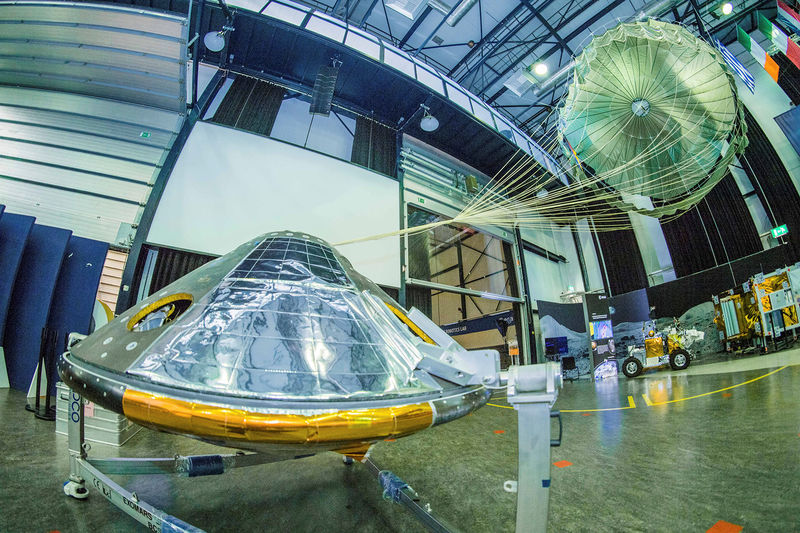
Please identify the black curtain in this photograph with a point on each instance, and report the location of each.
(419, 297)
(169, 266)
(788, 77)
(251, 105)
(375, 146)
(687, 243)
(676, 297)
(623, 261)
(717, 230)
(726, 211)
(772, 183)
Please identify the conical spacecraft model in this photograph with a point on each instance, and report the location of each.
(279, 346)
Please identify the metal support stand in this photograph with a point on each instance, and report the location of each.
(533, 390)
(398, 491)
(83, 469)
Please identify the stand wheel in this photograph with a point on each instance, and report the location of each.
(347, 460)
(679, 359)
(75, 490)
(632, 367)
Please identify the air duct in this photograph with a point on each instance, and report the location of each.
(458, 13)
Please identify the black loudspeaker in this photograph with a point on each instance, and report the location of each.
(568, 363)
(322, 96)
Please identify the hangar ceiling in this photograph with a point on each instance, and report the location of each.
(495, 38)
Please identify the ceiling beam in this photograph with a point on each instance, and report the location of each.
(487, 39)
(420, 19)
(583, 27)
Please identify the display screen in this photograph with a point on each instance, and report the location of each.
(601, 329)
(555, 345)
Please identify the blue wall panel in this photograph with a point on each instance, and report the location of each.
(76, 290)
(790, 124)
(14, 231)
(30, 301)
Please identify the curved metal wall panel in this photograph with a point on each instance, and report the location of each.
(80, 162)
(98, 50)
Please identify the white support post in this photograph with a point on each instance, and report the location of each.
(533, 390)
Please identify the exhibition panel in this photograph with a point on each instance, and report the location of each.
(75, 291)
(30, 302)
(14, 232)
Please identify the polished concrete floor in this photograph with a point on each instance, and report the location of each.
(717, 442)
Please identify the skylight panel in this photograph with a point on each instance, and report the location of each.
(326, 28)
(285, 12)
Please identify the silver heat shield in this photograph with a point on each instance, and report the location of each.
(291, 321)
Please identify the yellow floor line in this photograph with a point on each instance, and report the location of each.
(649, 402)
(718, 390)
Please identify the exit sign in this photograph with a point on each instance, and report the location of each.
(779, 231)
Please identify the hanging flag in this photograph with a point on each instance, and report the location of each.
(789, 15)
(780, 39)
(759, 54)
(737, 66)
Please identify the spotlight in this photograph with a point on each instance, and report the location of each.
(214, 40)
(727, 8)
(540, 69)
(428, 123)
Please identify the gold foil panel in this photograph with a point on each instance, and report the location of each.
(215, 422)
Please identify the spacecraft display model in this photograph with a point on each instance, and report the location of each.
(279, 347)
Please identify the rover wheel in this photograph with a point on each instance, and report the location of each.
(679, 359)
(631, 367)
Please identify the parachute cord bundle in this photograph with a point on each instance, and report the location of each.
(515, 197)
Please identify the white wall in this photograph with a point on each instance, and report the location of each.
(653, 248)
(229, 186)
(754, 205)
(548, 279)
(590, 258)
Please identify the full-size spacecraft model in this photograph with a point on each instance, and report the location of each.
(764, 307)
(281, 347)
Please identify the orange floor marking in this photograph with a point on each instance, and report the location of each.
(726, 394)
(499, 431)
(562, 464)
(389, 440)
(724, 527)
(586, 414)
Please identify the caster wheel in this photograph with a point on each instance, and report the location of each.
(75, 490)
(347, 460)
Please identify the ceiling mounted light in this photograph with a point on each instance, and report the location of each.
(428, 122)
(540, 69)
(727, 8)
(214, 40)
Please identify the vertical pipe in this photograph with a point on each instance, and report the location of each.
(533, 352)
(196, 53)
(401, 293)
